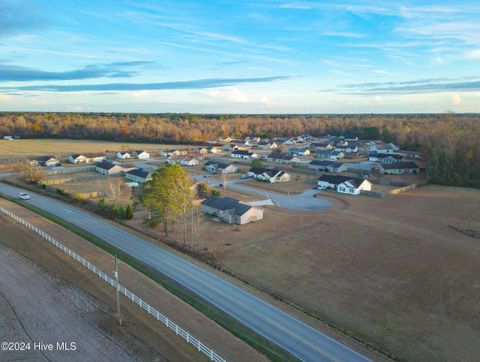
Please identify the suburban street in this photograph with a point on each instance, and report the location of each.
(295, 336)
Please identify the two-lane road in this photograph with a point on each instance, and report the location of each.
(293, 335)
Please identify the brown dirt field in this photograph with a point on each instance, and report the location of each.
(392, 271)
(141, 326)
(38, 306)
(31, 147)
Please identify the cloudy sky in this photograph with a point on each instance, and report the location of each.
(230, 56)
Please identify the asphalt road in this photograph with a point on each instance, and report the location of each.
(295, 336)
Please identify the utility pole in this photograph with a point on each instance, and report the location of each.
(117, 292)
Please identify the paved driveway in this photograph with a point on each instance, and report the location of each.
(295, 336)
(302, 202)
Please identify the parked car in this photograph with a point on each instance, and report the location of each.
(23, 196)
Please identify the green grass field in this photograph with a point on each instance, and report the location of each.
(34, 147)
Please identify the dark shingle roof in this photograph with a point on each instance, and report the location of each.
(322, 162)
(106, 165)
(140, 172)
(226, 203)
(385, 155)
(401, 165)
(242, 152)
(334, 179)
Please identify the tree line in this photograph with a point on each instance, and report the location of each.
(449, 142)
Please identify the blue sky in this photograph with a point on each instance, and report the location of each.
(245, 56)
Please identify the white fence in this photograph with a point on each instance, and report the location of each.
(71, 170)
(160, 317)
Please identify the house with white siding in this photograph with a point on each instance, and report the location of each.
(244, 154)
(271, 175)
(78, 158)
(344, 184)
(124, 155)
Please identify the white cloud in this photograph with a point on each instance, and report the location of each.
(456, 100)
(229, 94)
(473, 54)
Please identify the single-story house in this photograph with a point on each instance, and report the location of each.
(383, 148)
(141, 154)
(271, 175)
(327, 166)
(47, 161)
(400, 168)
(189, 161)
(8, 138)
(385, 158)
(96, 157)
(299, 151)
(350, 148)
(243, 154)
(108, 168)
(124, 155)
(282, 158)
(322, 146)
(214, 149)
(323, 154)
(139, 175)
(267, 145)
(219, 167)
(290, 141)
(225, 139)
(336, 155)
(231, 211)
(202, 150)
(173, 152)
(344, 184)
(77, 158)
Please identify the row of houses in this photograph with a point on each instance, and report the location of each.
(394, 168)
(131, 173)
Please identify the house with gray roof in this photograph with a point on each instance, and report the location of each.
(231, 211)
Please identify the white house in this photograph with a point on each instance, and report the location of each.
(214, 149)
(344, 184)
(77, 158)
(328, 166)
(8, 138)
(123, 155)
(283, 158)
(231, 211)
(48, 161)
(141, 154)
(290, 141)
(189, 161)
(298, 151)
(174, 152)
(268, 175)
(220, 167)
(385, 157)
(244, 154)
(336, 155)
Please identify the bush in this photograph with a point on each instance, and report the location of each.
(129, 212)
(215, 192)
